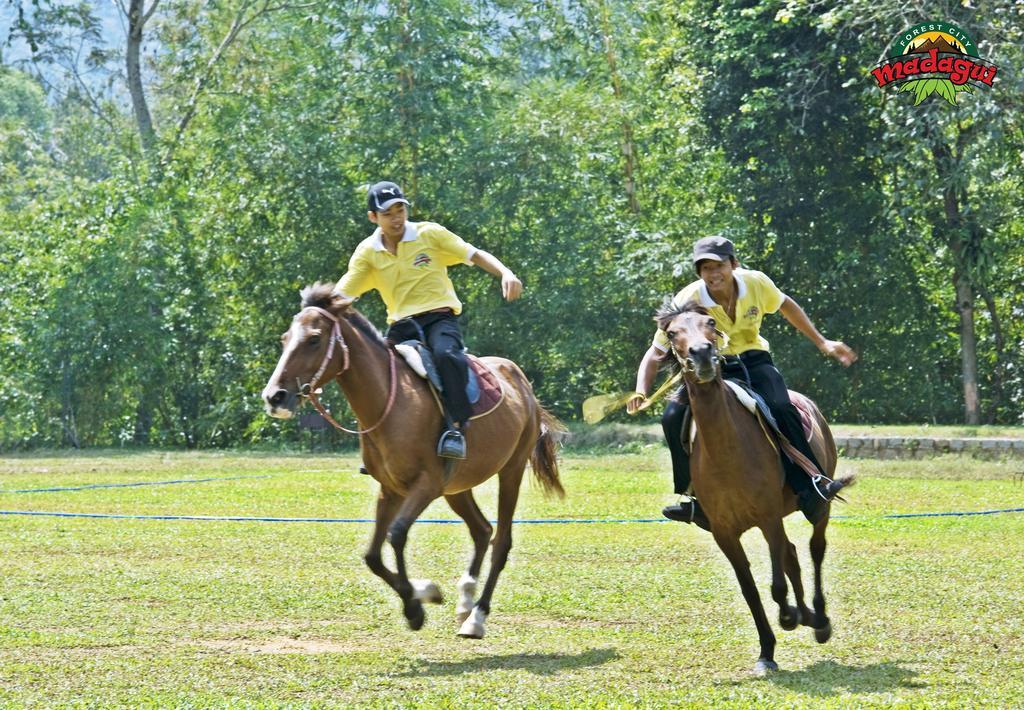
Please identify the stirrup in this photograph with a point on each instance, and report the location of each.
(452, 445)
(672, 513)
(692, 503)
(821, 483)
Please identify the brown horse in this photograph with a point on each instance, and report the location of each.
(738, 478)
(398, 446)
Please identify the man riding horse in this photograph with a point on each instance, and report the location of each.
(407, 263)
(738, 299)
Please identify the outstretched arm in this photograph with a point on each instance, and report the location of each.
(837, 349)
(645, 375)
(357, 280)
(511, 286)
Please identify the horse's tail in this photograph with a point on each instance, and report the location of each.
(544, 458)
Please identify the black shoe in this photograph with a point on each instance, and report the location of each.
(830, 488)
(687, 512)
(363, 470)
(814, 506)
(452, 445)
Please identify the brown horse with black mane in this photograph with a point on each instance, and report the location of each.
(738, 478)
(328, 339)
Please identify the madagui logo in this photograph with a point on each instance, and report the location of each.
(934, 58)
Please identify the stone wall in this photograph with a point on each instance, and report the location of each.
(909, 447)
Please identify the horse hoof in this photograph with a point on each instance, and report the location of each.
(824, 633)
(462, 614)
(790, 618)
(426, 591)
(471, 631)
(473, 626)
(414, 614)
(763, 667)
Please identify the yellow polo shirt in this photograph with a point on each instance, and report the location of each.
(416, 279)
(757, 295)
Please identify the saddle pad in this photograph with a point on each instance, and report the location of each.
(802, 404)
(491, 392)
(743, 396)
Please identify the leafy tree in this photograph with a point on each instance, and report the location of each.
(941, 159)
(22, 101)
(145, 273)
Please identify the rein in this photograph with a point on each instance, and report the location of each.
(309, 390)
(689, 367)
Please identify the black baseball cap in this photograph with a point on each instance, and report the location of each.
(716, 248)
(383, 195)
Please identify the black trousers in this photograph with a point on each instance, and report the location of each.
(767, 381)
(441, 333)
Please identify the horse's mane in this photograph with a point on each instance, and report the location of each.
(322, 295)
(318, 295)
(670, 309)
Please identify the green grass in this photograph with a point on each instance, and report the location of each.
(927, 611)
(633, 437)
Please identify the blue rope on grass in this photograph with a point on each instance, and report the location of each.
(127, 485)
(439, 521)
(942, 515)
(250, 519)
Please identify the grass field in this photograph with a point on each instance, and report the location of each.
(93, 611)
(633, 437)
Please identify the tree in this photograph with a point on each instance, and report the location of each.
(947, 155)
(22, 101)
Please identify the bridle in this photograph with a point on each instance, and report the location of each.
(309, 390)
(689, 367)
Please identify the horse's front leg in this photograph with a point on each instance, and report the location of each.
(730, 545)
(387, 506)
(423, 490)
(778, 548)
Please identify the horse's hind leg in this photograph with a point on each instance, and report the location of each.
(509, 479)
(778, 546)
(793, 572)
(480, 530)
(730, 545)
(822, 624)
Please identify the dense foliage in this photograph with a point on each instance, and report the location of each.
(146, 271)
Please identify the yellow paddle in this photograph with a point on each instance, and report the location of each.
(600, 406)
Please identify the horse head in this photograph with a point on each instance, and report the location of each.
(693, 338)
(313, 350)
